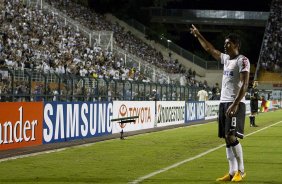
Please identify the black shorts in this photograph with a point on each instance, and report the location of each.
(233, 124)
(254, 106)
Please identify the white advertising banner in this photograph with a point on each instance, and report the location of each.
(170, 113)
(212, 109)
(213, 106)
(144, 109)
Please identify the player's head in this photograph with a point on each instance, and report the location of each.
(234, 38)
(232, 44)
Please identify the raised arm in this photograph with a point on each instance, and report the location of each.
(205, 44)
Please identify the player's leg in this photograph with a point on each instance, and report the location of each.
(233, 166)
(254, 120)
(251, 120)
(232, 162)
(237, 131)
(237, 151)
(252, 115)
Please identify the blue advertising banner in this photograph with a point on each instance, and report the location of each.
(195, 111)
(63, 121)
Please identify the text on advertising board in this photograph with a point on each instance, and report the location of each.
(144, 113)
(170, 113)
(76, 120)
(20, 124)
(195, 111)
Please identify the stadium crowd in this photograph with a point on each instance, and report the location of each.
(34, 39)
(124, 39)
(271, 54)
(37, 40)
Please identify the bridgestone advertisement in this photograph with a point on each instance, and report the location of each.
(170, 113)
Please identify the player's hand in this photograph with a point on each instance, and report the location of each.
(194, 31)
(232, 110)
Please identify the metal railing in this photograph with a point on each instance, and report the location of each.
(33, 85)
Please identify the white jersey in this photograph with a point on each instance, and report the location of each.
(231, 76)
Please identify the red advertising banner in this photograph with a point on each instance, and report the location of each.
(20, 124)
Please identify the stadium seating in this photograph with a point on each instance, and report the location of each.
(124, 39)
(271, 52)
(41, 41)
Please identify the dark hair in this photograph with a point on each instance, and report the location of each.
(234, 38)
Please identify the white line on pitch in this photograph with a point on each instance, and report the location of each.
(191, 158)
(82, 145)
(45, 152)
(31, 154)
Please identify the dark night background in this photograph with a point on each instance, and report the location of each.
(179, 34)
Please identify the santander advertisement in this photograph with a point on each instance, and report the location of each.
(20, 124)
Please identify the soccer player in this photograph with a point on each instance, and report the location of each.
(232, 110)
(254, 95)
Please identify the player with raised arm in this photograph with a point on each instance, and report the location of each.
(232, 110)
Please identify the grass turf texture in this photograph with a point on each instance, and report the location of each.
(117, 161)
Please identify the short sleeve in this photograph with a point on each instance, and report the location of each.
(244, 64)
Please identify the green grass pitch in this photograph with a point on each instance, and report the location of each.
(116, 161)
